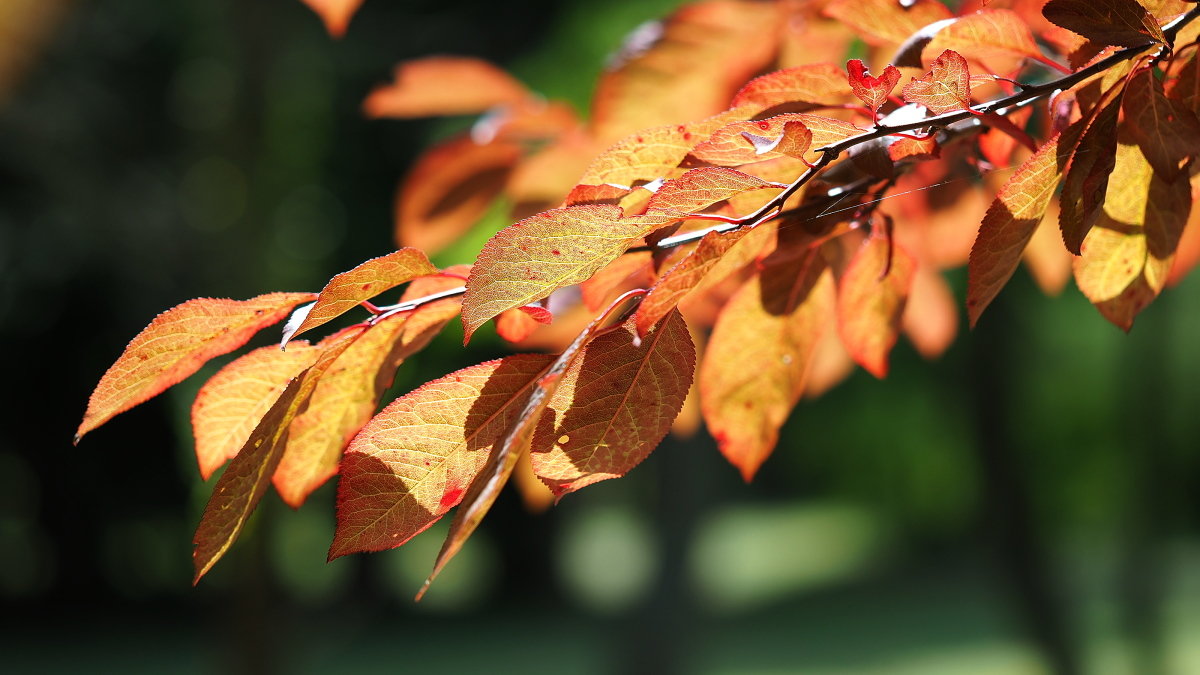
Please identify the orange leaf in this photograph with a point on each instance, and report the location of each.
(349, 289)
(884, 22)
(742, 142)
(608, 194)
(914, 148)
(946, 87)
(1012, 218)
(449, 189)
(336, 14)
(1048, 261)
(992, 37)
(616, 405)
(245, 481)
(700, 188)
(872, 91)
(1087, 177)
(529, 260)
(630, 268)
(346, 397)
(176, 344)
(871, 297)
(1107, 22)
(398, 478)
(930, 318)
(443, 85)
(1166, 130)
(755, 365)
(517, 324)
(233, 401)
(815, 85)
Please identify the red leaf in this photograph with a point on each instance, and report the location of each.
(176, 344)
(1107, 22)
(872, 91)
(616, 405)
(349, 289)
(946, 87)
(444, 85)
(449, 189)
(871, 297)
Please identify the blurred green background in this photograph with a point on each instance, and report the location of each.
(1026, 504)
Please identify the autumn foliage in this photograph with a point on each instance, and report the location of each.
(719, 234)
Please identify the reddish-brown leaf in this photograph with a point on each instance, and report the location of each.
(755, 364)
(871, 297)
(743, 142)
(884, 22)
(245, 481)
(443, 85)
(1087, 177)
(1186, 87)
(1107, 22)
(232, 402)
(815, 85)
(872, 91)
(176, 344)
(348, 395)
(1166, 130)
(449, 189)
(946, 87)
(700, 188)
(992, 37)
(616, 405)
(347, 290)
(529, 260)
(1012, 218)
(335, 14)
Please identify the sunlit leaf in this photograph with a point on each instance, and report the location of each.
(1166, 130)
(175, 345)
(872, 91)
(992, 37)
(529, 260)
(754, 368)
(654, 153)
(515, 325)
(1107, 22)
(925, 147)
(734, 143)
(886, 22)
(443, 85)
(814, 85)
(871, 297)
(700, 188)
(449, 189)
(1012, 218)
(616, 405)
(1087, 177)
(245, 480)
(232, 402)
(349, 289)
(628, 268)
(945, 87)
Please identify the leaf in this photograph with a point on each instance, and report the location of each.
(616, 405)
(233, 401)
(871, 298)
(414, 460)
(814, 85)
(449, 189)
(930, 318)
(634, 268)
(1186, 88)
(991, 37)
(529, 260)
(348, 395)
(653, 153)
(443, 85)
(515, 325)
(1166, 130)
(885, 22)
(1109, 22)
(245, 481)
(734, 143)
(945, 87)
(914, 148)
(515, 443)
(699, 189)
(755, 365)
(349, 289)
(872, 91)
(1012, 219)
(1087, 177)
(336, 14)
(175, 345)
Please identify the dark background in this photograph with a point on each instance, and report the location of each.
(1026, 504)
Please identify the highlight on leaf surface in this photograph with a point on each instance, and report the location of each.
(176, 344)
(349, 289)
(946, 87)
